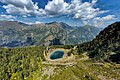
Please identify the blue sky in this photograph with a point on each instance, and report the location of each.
(98, 13)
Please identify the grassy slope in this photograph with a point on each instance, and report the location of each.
(88, 70)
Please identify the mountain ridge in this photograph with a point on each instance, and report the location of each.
(106, 45)
(44, 33)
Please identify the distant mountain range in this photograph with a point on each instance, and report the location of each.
(14, 34)
(82, 34)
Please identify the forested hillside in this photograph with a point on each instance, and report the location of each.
(20, 63)
(106, 45)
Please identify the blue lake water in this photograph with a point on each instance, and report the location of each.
(57, 54)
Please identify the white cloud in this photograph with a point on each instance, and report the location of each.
(31, 23)
(100, 21)
(108, 17)
(22, 7)
(83, 11)
(56, 7)
(20, 3)
(86, 11)
(38, 22)
(7, 17)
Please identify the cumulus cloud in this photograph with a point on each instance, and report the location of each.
(31, 23)
(7, 17)
(56, 7)
(100, 21)
(22, 7)
(88, 14)
(21, 3)
(38, 22)
(84, 11)
(108, 17)
(79, 10)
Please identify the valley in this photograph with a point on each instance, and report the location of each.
(31, 65)
(59, 39)
(98, 59)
